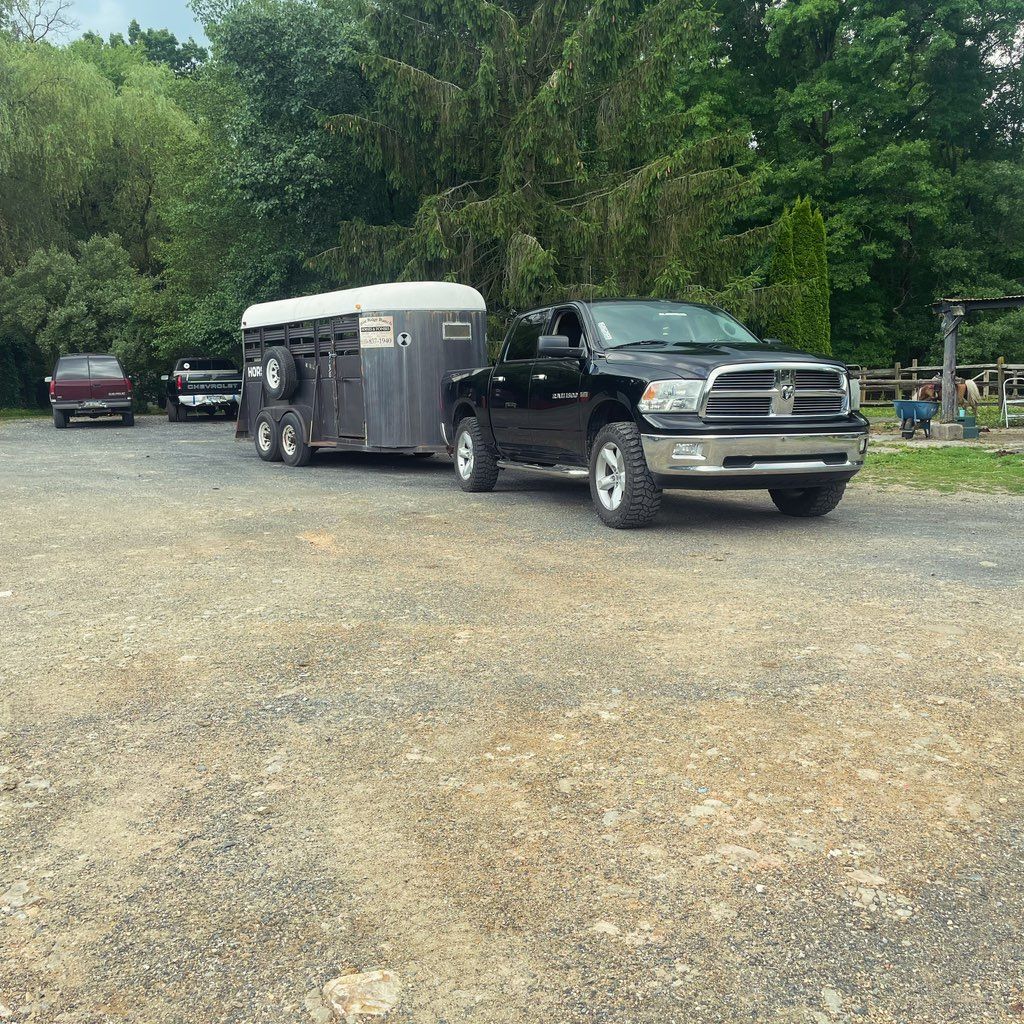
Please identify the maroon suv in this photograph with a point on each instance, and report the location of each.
(85, 384)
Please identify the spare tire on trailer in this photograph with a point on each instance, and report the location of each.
(280, 378)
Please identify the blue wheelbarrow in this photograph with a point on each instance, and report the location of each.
(915, 414)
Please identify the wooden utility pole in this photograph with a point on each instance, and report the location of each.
(951, 318)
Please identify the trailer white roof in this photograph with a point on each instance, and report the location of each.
(401, 296)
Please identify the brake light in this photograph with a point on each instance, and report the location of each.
(53, 388)
(128, 384)
(177, 382)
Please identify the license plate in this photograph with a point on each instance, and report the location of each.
(92, 404)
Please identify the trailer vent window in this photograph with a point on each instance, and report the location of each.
(457, 331)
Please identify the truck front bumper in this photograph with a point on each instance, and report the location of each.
(754, 460)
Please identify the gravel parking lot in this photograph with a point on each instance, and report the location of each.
(261, 725)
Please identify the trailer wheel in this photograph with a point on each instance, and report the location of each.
(279, 374)
(267, 438)
(808, 502)
(476, 462)
(295, 449)
(60, 419)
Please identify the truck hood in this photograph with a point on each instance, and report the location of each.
(697, 361)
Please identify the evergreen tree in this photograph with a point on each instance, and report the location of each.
(810, 267)
(798, 273)
(553, 148)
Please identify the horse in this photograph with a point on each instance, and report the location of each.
(967, 393)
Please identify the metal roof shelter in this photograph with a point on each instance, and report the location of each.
(953, 312)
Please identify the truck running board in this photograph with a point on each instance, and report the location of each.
(575, 471)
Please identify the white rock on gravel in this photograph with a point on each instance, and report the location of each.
(362, 994)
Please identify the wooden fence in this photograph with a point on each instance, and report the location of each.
(882, 386)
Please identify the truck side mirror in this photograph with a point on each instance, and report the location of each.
(165, 376)
(47, 380)
(558, 345)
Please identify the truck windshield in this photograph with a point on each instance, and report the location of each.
(664, 324)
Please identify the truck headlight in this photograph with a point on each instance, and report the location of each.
(854, 393)
(671, 396)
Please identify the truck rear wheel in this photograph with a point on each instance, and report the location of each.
(621, 486)
(295, 449)
(176, 412)
(807, 502)
(128, 419)
(476, 462)
(267, 438)
(279, 374)
(60, 419)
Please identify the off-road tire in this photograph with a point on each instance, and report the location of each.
(128, 419)
(279, 383)
(268, 444)
(295, 449)
(640, 496)
(476, 467)
(60, 419)
(808, 502)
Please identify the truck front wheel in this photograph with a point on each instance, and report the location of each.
(476, 462)
(621, 486)
(807, 502)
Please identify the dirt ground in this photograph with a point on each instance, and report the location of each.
(261, 725)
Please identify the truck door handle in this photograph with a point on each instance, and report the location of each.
(539, 376)
(499, 380)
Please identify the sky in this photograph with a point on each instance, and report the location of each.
(106, 16)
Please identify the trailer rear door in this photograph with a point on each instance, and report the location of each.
(348, 380)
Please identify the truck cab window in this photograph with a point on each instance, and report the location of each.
(567, 323)
(522, 342)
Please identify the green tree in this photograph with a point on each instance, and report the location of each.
(55, 126)
(887, 113)
(552, 148)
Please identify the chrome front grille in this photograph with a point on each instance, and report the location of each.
(818, 379)
(739, 405)
(818, 405)
(768, 391)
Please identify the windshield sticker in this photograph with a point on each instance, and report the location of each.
(377, 332)
(603, 328)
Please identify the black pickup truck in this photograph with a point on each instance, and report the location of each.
(203, 385)
(646, 394)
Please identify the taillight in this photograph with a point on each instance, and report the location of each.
(177, 382)
(53, 388)
(128, 384)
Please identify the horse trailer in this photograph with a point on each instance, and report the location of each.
(356, 370)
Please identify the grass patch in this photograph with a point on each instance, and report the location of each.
(946, 469)
(21, 414)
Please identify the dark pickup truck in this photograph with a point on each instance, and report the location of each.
(203, 385)
(90, 384)
(647, 394)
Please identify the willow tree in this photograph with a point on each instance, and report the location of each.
(550, 148)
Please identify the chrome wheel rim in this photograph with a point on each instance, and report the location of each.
(273, 374)
(264, 436)
(610, 474)
(464, 455)
(288, 442)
